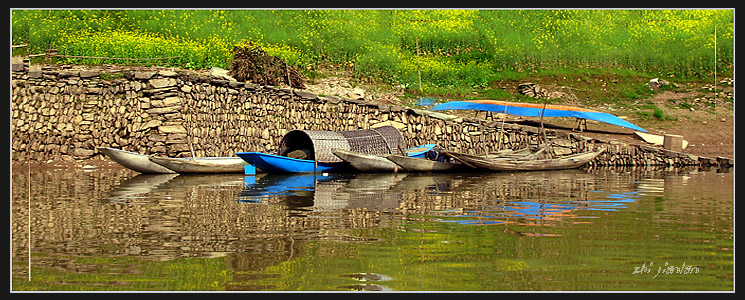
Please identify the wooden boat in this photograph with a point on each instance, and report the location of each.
(201, 165)
(282, 164)
(529, 153)
(506, 164)
(415, 164)
(412, 164)
(536, 110)
(365, 162)
(375, 163)
(134, 161)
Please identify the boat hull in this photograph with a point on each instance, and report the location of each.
(501, 164)
(281, 164)
(365, 162)
(134, 161)
(414, 164)
(201, 165)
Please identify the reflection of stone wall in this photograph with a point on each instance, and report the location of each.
(65, 113)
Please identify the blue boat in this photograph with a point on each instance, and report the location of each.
(419, 151)
(534, 110)
(281, 164)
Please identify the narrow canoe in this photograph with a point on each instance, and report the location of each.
(365, 162)
(281, 164)
(412, 164)
(502, 164)
(415, 164)
(374, 163)
(201, 165)
(134, 161)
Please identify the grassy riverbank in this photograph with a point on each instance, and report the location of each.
(455, 51)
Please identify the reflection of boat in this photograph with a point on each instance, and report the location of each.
(139, 185)
(134, 161)
(205, 181)
(413, 164)
(358, 190)
(201, 164)
(323, 193)
(373, 163)
(282, 164)
(274, 185)
(501, 164)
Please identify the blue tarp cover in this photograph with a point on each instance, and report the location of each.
(534, 110)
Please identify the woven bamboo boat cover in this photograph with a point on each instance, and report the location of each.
(377, 141)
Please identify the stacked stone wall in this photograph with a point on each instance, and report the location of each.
(64, 113)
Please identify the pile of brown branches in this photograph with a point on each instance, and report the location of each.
(252, 64)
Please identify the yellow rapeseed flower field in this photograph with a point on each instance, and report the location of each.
(455, 47)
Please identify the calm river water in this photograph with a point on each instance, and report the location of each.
(111, 229)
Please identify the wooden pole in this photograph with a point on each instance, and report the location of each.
(289, 82)
(541, 132)
(418, 67)
(715, 70)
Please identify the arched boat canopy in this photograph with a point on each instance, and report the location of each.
(317, 144)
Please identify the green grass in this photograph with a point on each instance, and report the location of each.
(457, 52)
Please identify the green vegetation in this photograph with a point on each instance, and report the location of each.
(456, 51)
(128, 274)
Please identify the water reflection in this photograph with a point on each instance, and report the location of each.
(324, 192)
(466, 199)
(264, 226)
(137, 187)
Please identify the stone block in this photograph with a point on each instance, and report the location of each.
(168, 129)
(144, 75)
(673, 142)
(158, 83)
(89, 73)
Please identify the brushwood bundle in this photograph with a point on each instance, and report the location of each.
(251, 63)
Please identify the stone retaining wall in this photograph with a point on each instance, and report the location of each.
(60, 112)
